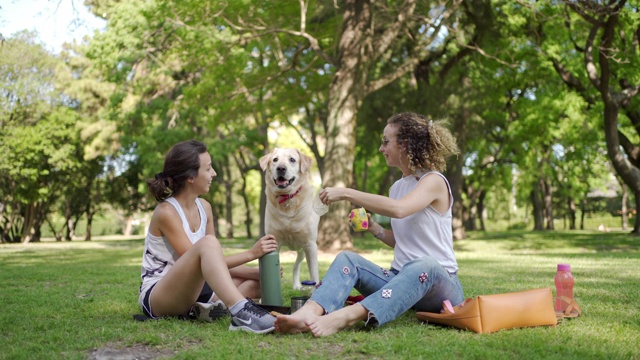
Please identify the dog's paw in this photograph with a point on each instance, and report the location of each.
(297, 286)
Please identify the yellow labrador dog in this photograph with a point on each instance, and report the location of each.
(289, 215)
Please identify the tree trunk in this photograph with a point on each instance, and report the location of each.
(636, 227)
(263, 203)
(128, 226)
(345, 96)
(1, 218)
(216, 221)
(264, 131)
(624, 210)
(28, 230)
(90, 212)
(247, 206)
(471, 213)
(361, 45)
(228, 185)
(71, 229)
(456, 165)
(6, 232)
(93, 193)
(68, 221)
(583, 210)
(538, 208)
(547, 193)
(333, 232)
(56, 234)
(454, 175)
(481, 209)
(627, 172)
(387, 181)
(571, 206)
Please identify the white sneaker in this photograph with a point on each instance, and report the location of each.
(209, 312)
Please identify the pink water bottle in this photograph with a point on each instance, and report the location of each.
(564, 287)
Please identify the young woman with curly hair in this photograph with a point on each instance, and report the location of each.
(424, 269)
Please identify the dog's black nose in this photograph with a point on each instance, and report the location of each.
(281, 170)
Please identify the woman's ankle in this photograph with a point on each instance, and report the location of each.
(314, 308)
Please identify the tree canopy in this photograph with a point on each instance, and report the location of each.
(542, 97)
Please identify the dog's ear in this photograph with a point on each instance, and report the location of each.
(264, 161)
(305, 162)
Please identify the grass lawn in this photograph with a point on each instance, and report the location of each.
(75, 300)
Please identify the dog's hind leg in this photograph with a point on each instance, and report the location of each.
(296, 270)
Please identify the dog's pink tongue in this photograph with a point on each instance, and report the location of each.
(282, 182)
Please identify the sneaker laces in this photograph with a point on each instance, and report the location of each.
(251, 307)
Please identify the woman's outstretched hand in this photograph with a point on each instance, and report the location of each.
(331, 194)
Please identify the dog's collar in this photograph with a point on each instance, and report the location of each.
(286, 197)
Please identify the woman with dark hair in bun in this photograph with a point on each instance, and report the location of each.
(184, 270)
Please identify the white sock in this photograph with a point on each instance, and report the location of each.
(237, 307)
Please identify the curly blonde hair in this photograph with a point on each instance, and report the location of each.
(428, 143)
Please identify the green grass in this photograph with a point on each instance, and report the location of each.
(66, 300)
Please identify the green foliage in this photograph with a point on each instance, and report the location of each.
(26, 80)
(35, 155)
(44, 167)
(242, 77)
(117, 50)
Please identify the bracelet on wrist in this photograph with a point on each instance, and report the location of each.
(380, 233)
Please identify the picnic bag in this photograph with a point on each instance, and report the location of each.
(489, 313)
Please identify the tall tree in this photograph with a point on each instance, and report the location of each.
(43, 158)
(593, 47)
(373, 45)
(186, 75)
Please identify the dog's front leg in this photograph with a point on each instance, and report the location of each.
(296, 270)
(311, 253)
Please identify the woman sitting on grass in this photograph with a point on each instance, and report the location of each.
(424, 268)
(183, 266)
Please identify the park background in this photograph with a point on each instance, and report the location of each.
(542, 97)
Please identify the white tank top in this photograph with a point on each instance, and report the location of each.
(159, 256)
(424, 233)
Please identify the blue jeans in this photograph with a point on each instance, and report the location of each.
(422, 284)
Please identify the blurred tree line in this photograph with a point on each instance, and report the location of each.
(542, 97)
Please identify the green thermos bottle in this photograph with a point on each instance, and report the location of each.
(270, 279)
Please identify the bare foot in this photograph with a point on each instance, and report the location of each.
(290, 324)
(297, 322)
(337, 320)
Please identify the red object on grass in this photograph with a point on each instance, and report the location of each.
(354, 299)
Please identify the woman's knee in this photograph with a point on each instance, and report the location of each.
(346, 255)
(208, 242)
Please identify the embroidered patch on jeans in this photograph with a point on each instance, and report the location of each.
(423, 277)
(385, 272)
(346, 270)
(386, 293)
